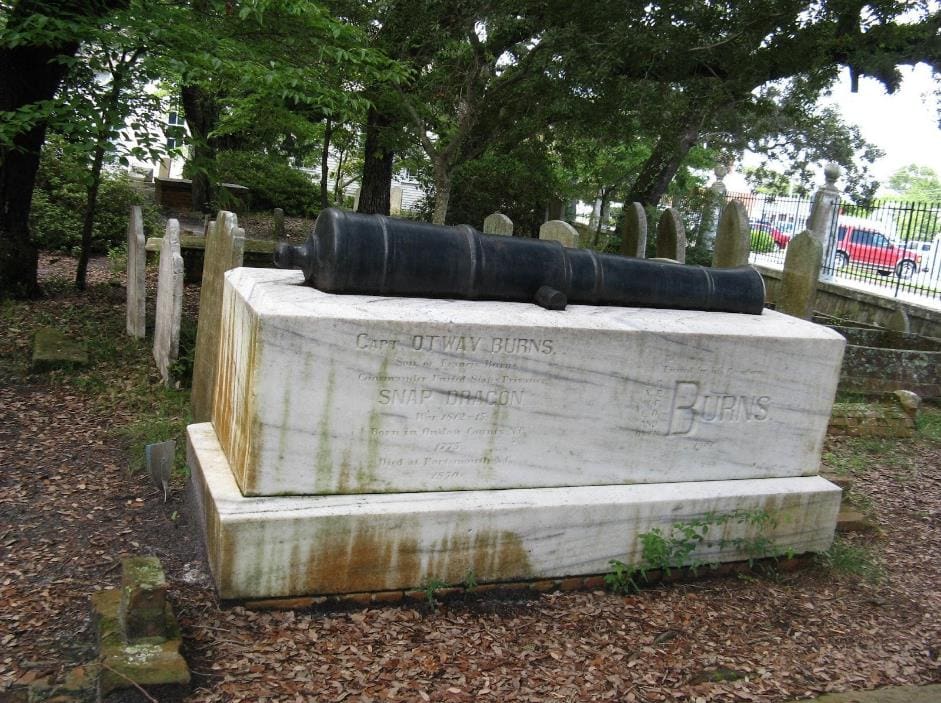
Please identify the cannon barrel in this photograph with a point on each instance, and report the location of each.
(371, 254)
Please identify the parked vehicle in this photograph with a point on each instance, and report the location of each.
(928, 250)
(780, 238)
(866, 244)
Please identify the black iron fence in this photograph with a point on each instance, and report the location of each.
(894, 246)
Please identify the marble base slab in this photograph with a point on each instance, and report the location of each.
(307, 545)
(339, 394)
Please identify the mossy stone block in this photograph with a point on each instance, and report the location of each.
(53, 349)
(151, 663)
(143, 599)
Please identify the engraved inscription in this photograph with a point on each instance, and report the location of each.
(451, 396)
(691, 406)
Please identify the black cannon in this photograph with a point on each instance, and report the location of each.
(371, 254)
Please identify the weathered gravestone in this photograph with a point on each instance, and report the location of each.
(169, 302)
(733, 238)
(559, 231)
(823, 216)
(712, 210)
(395, 200)
(899, 321)
(800, 276)
(634, 237)
(671, 236)
(225, 247)
(366, 443)
(159, 459)
(53, 349)
(136, 271)
(498, 223)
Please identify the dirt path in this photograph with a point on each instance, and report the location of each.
(69, 510)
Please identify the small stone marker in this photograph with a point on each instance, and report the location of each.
(559, 231)
(143, 599)
(634, 237)
(138, 635)
(898, 321)
(498, 223)
(671, 236)
(278, 224)
(54, 350)
(395, 201)
(159, 459)
(909, 401)
(136, 268)
(733, 238)
(801, 272)
(225, 249)
(169, 302)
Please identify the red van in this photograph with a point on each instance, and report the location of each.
(862, 243)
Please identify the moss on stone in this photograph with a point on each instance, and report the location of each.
(54, 350)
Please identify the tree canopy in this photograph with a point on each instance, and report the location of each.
(596, 100)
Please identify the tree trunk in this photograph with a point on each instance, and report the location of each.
(201, 113)
(442, 192)
(88, 223)
(338, 184)
(28, 74)
(665, 160)
(376, 187)
(324, 165)
(107, 118)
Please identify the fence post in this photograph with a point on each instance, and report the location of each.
(824, 212)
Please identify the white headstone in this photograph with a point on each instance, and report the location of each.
(395, 201)
(169, 302)
(136, 275)
(559, 231)
(733, 240)
(498, 223)
(800, 276)
(225, 248)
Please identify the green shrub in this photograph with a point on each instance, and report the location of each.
(761, 242)
(272, 180)
(58, 205)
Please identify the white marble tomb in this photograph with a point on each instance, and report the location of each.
(289, 545)
(341, 394)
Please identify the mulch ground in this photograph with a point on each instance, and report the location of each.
(70, 509)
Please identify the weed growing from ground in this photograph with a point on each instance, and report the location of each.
(431, 588)
(674, 547)
(850, 559)
(620, 579)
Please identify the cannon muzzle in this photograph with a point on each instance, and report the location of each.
(375, 255)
